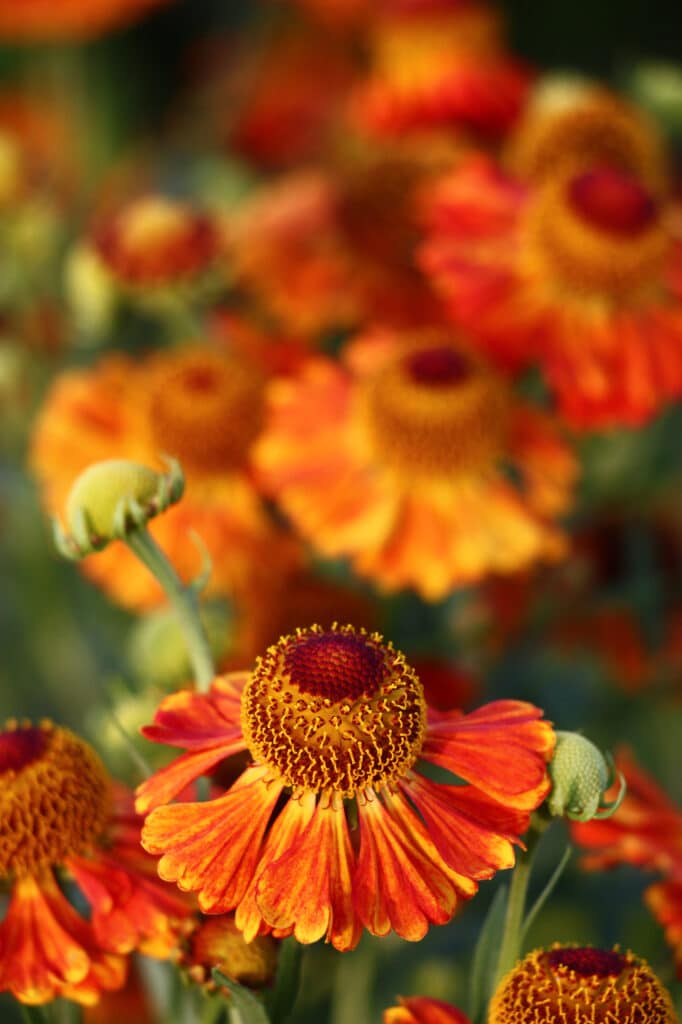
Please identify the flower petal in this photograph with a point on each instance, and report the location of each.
(213, 848)
(309, 887)
(501, 748)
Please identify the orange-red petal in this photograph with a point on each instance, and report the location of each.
(309, 887)
(213, 848)
(421, 1010)
(501, 748)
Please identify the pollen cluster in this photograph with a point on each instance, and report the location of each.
(581, 986)
(54, 797)
(434, 410)
(597, 232)
(334, 709)
(204, 407)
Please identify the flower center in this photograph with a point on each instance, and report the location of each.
(334, 709)
(602, 963)
(434, 410)
(155, 241)
(205, 408)
(598, 234)
(54, 797)
(612, 201)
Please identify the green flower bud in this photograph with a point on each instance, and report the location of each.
(110, 499)
(580, 775)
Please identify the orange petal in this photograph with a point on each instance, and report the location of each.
(473, 834)
(48, 950)
(282, 836)
(213, 848)
(162, 786)
(188, 719)
(501, 748)
(309, 887)
(400, 881)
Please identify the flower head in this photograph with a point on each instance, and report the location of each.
(332, 828)
(200, 403)
(407, 469)
(579, 272)
(583, 985)
(59, 813)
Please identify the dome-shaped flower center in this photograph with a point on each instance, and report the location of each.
(612, 201)
(334, 710)
(205, 408)
(602, 963)
(155, 241)
(54, 797)
(597, 233)
(583, 986)
(434, 410)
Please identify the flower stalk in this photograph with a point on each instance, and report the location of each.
(183, 599)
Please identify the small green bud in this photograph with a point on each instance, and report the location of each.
(580, 775)
(111, 498)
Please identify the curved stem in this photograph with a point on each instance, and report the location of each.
(184, 601)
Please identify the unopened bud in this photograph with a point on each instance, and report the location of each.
(111, 498)
(581, 775)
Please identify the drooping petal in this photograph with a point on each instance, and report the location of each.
(401, 882)
(282, 836)
(501, 748)
(213, 848)
(473, 834)
(47, 950)
(309, 887)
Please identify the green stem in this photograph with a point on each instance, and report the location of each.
(512, 935)
(184, 601)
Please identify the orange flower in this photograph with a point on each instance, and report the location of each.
(421, 1010)
(439, 63)
(36, 20)
(58, 811)
(583, 985)
(202, 404)
(395, 460)
(331, 828)
(581, 273)
(646, 831)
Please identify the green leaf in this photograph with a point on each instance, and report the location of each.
(280, 1001)
(546, 892)
(485, 955)
(250, 1009)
